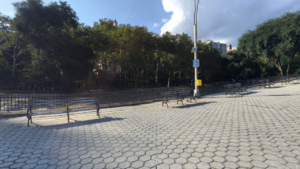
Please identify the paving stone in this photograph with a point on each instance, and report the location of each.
(194, 160)
(259, 164)
(137, 164)
(109, 160)
(152, 163)
(181, 160)
(244, 164)
(124, 165)
(185, 155)
(75, 166)
(100, 166)
(169, 161)
(202, 165)
(292, 165)
(232, 165)
(27, 166)
(231, 159)
(163, 166)
(86, 161)
(112, 165)
(206, 159)
(189, 166)
(17, 165)
(257, 158)
(75, 161)
(244, 158)
(132, 158)
(216, 165)
(219, 159)
(144, 158)
(162, 156)
(175, 166)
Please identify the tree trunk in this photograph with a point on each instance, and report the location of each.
(34, 87)
(156, 71)
(136, 81)
(125, 78)
(278, 65)
(289, 66)
(13, 76)
(14, 67)
(169, 79)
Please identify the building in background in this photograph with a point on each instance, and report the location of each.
(234, 48)
(222, 47)
(115, 23)
(229, 48)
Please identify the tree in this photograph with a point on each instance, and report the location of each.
(210, 58)
(49, 28)
(290, 35)
(41, 70)
(276, 40)
(12, 45)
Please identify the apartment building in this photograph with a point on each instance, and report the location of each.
(220, 46)
(223, 48)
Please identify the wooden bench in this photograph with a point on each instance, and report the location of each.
(180, 95)
(238, 87)
(72, 104)
(188, 94)
(261, 83)
(230, 88)
(268, 83)
(285, 80)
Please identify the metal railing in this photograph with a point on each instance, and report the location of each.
(14, 102)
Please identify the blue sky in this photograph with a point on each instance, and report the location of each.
(135, 12)
(218, 20)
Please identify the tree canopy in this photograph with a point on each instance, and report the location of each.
(47, 45)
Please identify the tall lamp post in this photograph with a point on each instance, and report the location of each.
(196, 62)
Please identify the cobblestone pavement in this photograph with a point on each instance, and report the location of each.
(257, 129)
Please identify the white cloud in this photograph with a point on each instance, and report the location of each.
(156, 24)
(223, 21)
(164, 20)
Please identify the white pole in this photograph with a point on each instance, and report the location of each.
(195, 45)
(195, 57)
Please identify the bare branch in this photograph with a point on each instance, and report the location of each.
(8, 39)
(6, 66)
(9, 54)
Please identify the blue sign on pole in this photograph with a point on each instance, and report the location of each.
(196, 63)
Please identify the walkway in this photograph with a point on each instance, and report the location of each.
(256, 129)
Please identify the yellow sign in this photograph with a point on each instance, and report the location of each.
(199, 82)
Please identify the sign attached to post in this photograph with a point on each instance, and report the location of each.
(194, 50)
(196, 63)
(199, 82)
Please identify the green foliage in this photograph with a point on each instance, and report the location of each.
(54, 48)
(276, 40)
(53, 29)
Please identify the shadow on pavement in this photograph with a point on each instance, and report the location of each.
(274, 87)
(193, 105)
(280, 95)
(247, 93)
(77, 123)
(241, 95)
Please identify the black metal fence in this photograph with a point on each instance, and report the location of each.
(14, 102)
